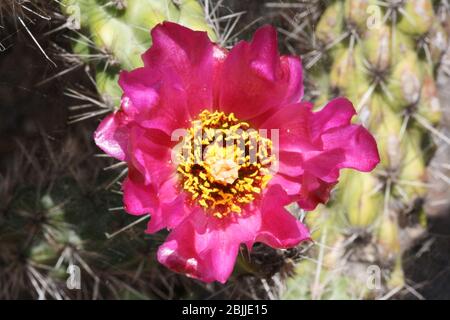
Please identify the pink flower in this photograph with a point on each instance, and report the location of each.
(215, 204)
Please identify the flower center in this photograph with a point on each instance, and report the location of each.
(223, 164)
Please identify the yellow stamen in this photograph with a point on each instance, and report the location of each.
(214, 166)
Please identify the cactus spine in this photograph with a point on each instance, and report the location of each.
(383, 55)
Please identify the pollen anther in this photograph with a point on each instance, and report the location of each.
(223, 164)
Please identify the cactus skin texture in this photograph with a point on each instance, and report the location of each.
(53, 220)
(387, 67)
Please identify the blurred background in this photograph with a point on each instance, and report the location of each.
(63, 231)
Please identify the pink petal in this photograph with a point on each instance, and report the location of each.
(139, 197)
(152, 159)
(358, 145)
(205, 248)
(279, 228)
(169, 215)
(313, 147)
(158, 98)
(313, 192)
(255, 79)
(153, 188)
(165, 205)
(112, 135)
(293, 124)
(336, 113)
(140, 96)
(179, 254)
(290, 163)
(190, 55)
(325, 164)
(291, 185)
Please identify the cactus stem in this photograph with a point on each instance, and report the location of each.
(427, 125)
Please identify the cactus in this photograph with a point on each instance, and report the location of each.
(58, 217)
(21, 8)
(62, 220)
(20, 15)
(383, 55)
(54, 218)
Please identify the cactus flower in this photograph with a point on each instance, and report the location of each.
(177, 117)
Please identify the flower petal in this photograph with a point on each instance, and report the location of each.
(279, 228)
(169, 215)
(324, 164)
(338, 112)
(179, 253)
(313, 191)
(158, 98)
(290, 163)
(112, 135)
(139, 197)
(292, 185)
(190, 55)
(293, 125)
(151, 158)
(255, 79)
(206, 248)
(165, 205)
(314, 146)
(358, 145)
